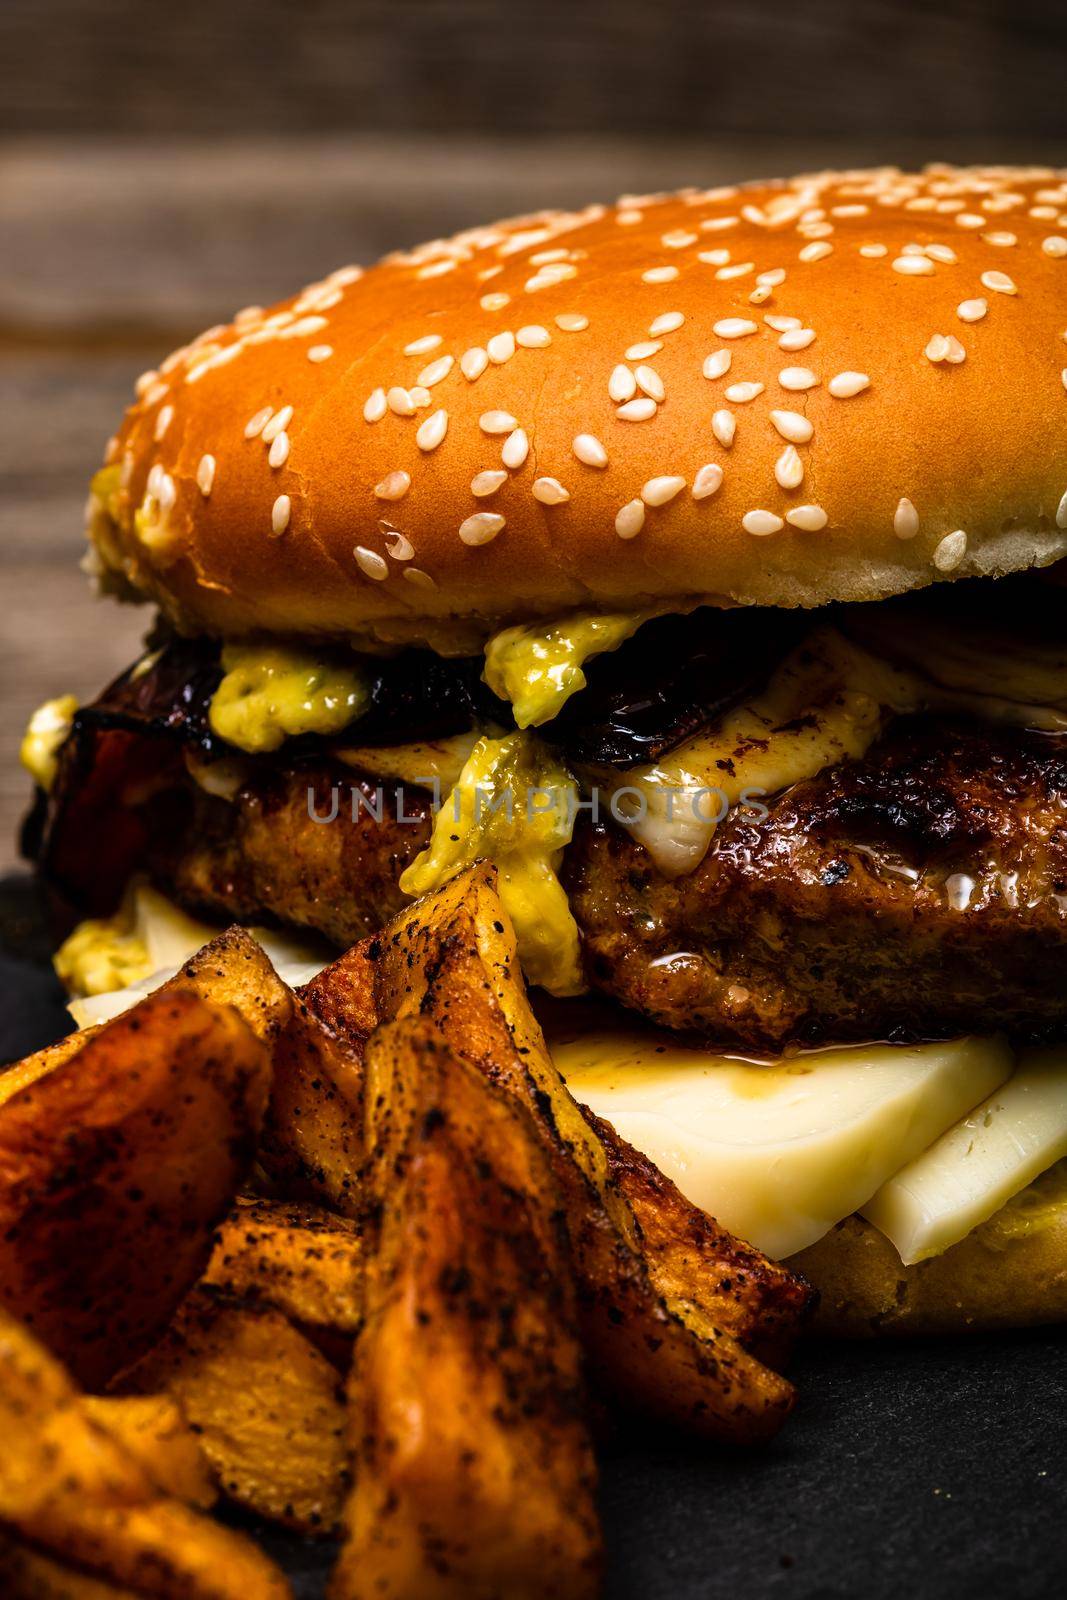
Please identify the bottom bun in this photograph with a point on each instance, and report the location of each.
(1009, 1273)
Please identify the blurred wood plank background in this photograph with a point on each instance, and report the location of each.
(160, 169)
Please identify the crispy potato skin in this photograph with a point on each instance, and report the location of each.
(474, 1473)
(233, 970)
(72, 1490)
(27, 1574)
(267, 1405)
(115, 1168)
(693, 1261)
(451, 958)
(313, 1136)
(303, 1261)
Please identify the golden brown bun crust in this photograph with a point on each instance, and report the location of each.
(977, 445)
(1010, 1273)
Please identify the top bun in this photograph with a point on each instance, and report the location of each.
(833, 388)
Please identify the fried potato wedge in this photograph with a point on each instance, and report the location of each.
(451, 958)
(115, 1168)
(267, 1406)
(695, 1263)
(474, 1474)
(152, 1429)
(234, 970)
(27, 1574)
(312, 1141)
(71, 1492)
(304, 1261)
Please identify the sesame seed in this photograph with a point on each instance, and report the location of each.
(205, 475)
(724, 427)
(501, 348)
(809, 519)
(371, 563)
(1063, 375)
(394, 486)
(970, 219)
(950, 551)
(944, 347)
(434, 372)
(163, 422)
(1004, 239)
(255, 425)
(761, 523)
(432, 430)
(905, 519)
(658, 491)
(649, 380)
(622, 385)
(494, 302)
(630, 520)
(797, 378)
(642, 350)
(589, 450)
(642, 409)
(423, 346)
(760, 295)
(497, 422)
(280, 420)
(874, 252)
(669, 322)
(814, 252)
(473, 362)
(400, 547)
(571, 322)
(483, 484)
(481, 528)
(843, 385)
(771, 279)
(678, 239)
(942, 252)
(146, 381)
(734, 328)
(707, 481)
(533, 337)
(418, 578)
(796, 339)
(740, 269)
(782, 324)
(1000, 283)
(279, 514)
(659, 275)
(913, 266)
(716, 365)
(1055, 245)
(792, 425)
(789, 469)
(516, 449)
(1061, 512)
(436, 269)
(420, 396)
(278, 453)
(972, 310)
(320, 352)
(714, 258)
(400, 402)
(549, 491)
(741, 393)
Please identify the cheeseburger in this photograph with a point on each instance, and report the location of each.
(693, 560)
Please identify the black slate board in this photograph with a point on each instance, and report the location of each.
(932, 1470)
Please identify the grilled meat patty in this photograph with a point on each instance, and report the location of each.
(921, 891)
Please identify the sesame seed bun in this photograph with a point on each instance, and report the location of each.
(835, 388)
(1011, 1272)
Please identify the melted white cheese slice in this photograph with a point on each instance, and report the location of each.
(780, 1153)
(980, 1163)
